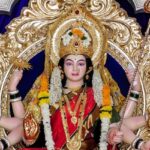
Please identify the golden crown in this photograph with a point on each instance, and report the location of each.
(77, 32)
(76, 41)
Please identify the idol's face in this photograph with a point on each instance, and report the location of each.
(75, 67)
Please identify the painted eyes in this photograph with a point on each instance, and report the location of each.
(81, 64)
(70, 64)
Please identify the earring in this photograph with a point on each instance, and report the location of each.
(87, 73)
(87, 77)
(90, 69)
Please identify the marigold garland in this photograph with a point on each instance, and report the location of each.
(105, 112)
(78, 32)
(44, 83)
(106, 96)
(105, 116)
(106, 109)
(44, 102)
(43, 94)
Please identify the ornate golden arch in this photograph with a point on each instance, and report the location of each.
(26, 36)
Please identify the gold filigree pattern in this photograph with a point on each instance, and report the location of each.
(126, 32)
(26, 37)
(31, 129)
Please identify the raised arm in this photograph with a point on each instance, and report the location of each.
(17, 105)
(13, 124)
(134, 95)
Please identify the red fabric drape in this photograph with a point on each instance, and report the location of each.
(56, 120)
(110, 147)
(57, 126)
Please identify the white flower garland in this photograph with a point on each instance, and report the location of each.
(87, 41)
(55, 86)
(47, 127)
(97, 87)
(67, 37)
(54, 95)
(104, 130)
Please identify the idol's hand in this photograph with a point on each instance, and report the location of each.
(136, 84)
(145, 146)
(14, 80)
(114, 136)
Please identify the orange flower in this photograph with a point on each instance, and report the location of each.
(78, 32)
(43, 83)
(35, 101)
(106, 96)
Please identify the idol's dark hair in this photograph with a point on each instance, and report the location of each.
(88, 82)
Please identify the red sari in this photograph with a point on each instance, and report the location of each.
(58, 133)
(56, 120)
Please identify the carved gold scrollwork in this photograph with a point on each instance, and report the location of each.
(126, 32)
(145, 68)
(26, 36)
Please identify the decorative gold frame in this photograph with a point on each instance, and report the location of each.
(26, 36)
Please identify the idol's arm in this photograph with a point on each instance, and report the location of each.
(13, 124)
(18, 108)
(136, 89)
(15, 135)
(127, 135)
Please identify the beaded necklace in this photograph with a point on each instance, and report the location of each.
(73, 112)
(73, 143)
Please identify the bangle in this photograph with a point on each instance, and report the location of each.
(13, 96)
(5, 143)
(139, 147)
(133, 99)
(15, 99)
(137, 143)
(134, 141)
(2, 147)
(13, 92)
(134, 95)
(136, 92)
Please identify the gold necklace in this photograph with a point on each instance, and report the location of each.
(73, 143)
(73, 113)
(74, 89)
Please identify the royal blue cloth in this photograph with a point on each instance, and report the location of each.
(29, 76)
(15, 12)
